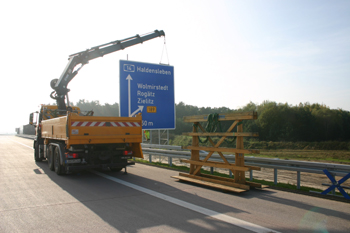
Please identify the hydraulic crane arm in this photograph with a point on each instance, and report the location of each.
(82, 58)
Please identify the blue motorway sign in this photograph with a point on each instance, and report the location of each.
(149, 89)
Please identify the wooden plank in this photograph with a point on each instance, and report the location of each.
(209, 184)
(222, 149)
(214, 179)
(256, 185)
(215, 164)
(251, 184)
(252, 115)
(231, 134)
(253, 168)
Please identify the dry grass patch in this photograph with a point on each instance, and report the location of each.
(333, 156)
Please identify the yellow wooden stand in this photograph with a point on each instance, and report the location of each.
(239, 183)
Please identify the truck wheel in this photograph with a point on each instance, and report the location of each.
(57, 164)
(36, 153)
(116, 169)
(50, 159)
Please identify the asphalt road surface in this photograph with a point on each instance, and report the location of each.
(147, 199)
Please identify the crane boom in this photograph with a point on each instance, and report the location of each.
(82, 58)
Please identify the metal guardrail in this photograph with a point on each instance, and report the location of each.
(276, 164)
(26, 136)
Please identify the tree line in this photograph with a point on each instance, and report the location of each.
(284, 122)
(97, 108)
(276, 121)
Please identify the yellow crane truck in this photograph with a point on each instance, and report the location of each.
(71, 140)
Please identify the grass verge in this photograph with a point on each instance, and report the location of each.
(341, 157)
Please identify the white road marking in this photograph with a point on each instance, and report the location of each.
(31, 147)
(223, 217)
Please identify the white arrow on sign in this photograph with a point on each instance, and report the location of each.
(129, 99)
(139, 109)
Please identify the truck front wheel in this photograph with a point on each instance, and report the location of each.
(36, 153)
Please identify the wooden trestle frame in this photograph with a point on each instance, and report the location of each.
(239, 183)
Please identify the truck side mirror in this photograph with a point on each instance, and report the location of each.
(31, 119)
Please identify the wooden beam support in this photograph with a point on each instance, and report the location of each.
(238, 183)
(253, 168)
(218, 144)
(239, 176)
(215, 146)
(194, 153)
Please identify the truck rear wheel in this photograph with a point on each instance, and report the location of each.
(116, 169)
(50, 158)
(57, 163)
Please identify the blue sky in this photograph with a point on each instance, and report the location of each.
(224, 53)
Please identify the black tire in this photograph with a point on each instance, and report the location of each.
(116, 169)
(57, 162)
(50, 158)
(36, 153)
